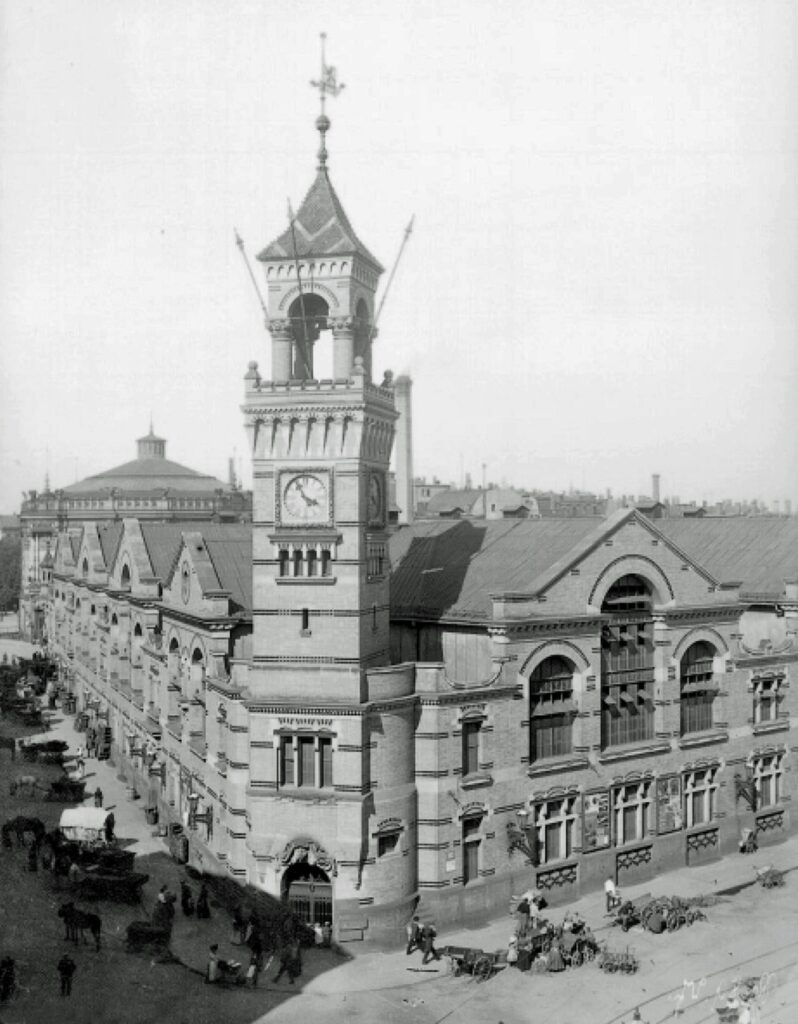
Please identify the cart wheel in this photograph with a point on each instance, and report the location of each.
(483, 969)
(590, 953)
(457, 968)
(672, 921)
(576, 958)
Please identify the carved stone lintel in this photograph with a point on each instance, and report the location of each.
(343, 323)
(300, 851)
(280, 326)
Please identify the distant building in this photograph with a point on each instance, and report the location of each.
(150, 487)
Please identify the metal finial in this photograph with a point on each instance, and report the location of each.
(327, 83)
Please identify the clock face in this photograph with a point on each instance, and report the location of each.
(305, 499)
(374, 501)
(185, 583)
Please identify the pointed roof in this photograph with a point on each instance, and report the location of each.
(322, 228)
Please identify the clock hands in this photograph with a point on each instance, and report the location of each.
(308, 500)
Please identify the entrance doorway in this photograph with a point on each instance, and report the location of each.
(308, 892)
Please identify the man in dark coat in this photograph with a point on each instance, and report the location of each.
(110, 822)
(428, 934)
(66, 968)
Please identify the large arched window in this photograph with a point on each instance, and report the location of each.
(627, 664)
(85, 568)
(552, 709)
(698, 688)
(125, 577)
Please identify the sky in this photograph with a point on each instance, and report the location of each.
(601, 282)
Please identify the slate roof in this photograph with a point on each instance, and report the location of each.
(110, 534)
(230, 550)
(759, 552)
(451, 567)
(322, 228)
(446, 502)
(163, 542)
(146, 475)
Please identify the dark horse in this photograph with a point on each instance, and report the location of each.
(19, 826)
(78, 921)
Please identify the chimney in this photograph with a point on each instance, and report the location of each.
(231, 472)
(655, 486)
(403, 393)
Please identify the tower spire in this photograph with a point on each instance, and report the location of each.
(327, 83)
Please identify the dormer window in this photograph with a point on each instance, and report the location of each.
(125, 577)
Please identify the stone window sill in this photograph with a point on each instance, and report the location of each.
(762, 728)
(700, 739)
(306, 793)
(476, 780)
(638, 750)
(312, 581)
(546, 766)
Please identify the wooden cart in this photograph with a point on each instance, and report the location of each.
(476, 962)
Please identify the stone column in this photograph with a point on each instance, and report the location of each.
(343, 329)
(282, 339)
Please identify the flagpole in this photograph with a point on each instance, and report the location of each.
(240, 244)
(408, 233)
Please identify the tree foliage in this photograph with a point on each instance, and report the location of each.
(10, 572)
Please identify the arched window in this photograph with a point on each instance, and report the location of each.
(552, 709)
(125, 577)
(698, 688)
(627, 664)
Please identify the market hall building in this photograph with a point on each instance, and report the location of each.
(365, 722)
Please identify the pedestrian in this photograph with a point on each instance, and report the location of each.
(522, 913)
(186, 899)
(81, 768)
(253, 970)
(612, 895)
(413, 934)
(428, 933)
(98, 797)
(512, 951)
(252, 926)
(110, 822)
(287, 962)
(238, 926)
(73, 874)
(66, 968)
(326, 931)
(203, 910)
(318, 935)
(213, 964)
(8, 978)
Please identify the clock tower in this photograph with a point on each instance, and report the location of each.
(321, 639)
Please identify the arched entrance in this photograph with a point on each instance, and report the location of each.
(306, 883)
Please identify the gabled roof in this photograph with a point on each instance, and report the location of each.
(109, 533)
(451, 567)
(446, 502)
(758, 552)
(230, 550)
(321, 227)
(163, 542)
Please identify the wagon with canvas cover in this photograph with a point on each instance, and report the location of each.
(84, 825)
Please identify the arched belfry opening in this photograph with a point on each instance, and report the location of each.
(363, 335)
(309, 316)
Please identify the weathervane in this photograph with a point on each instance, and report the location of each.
(327, 83)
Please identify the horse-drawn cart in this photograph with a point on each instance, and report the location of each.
(111, 886)
(66, 790)
(657, 913)
(476, 962)
(578, 947)
(617, 962)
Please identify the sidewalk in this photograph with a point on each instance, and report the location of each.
(325, 972)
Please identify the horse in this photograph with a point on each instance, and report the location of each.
(19, 826)
(29, 782)
(78, 921)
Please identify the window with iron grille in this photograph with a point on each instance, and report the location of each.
(698, 688)
(471, 732)
(555, 824)
(700, 792)
(632, 811)
(768, 770)
(767, 697)
(472, 841)
(387, 842)
(552, 709)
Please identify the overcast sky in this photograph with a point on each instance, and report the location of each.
(602, 279)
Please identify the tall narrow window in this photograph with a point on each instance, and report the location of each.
(698, 688)
(312, 562)
(555, 821)
(700, 789)
(325, 762)
(287, 763)
(767, 694)
(471, 731)
(305, 620)
(325, 563)
(283, 561)
(767, 777)
(471, 844)
(297, 563)
(552, 709)
(307, 761)
(632, 809)
(627, 664)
